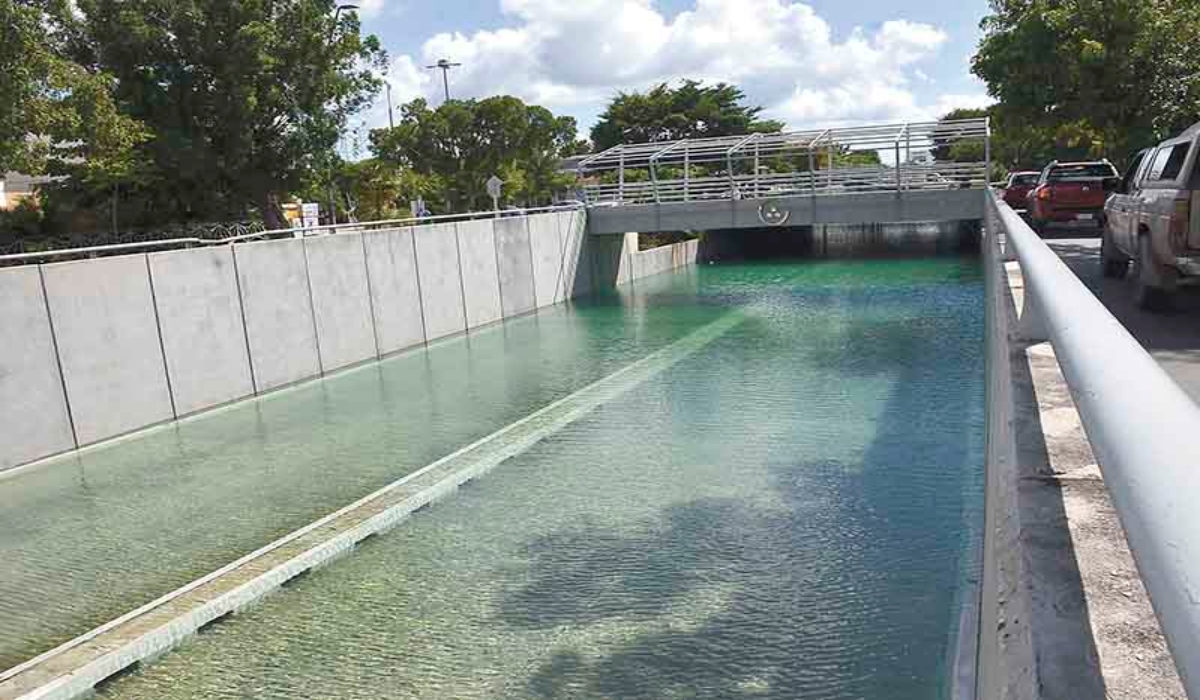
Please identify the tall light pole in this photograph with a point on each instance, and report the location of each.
(445, 66)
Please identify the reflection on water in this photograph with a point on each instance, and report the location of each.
(90, 537)
(787, 514)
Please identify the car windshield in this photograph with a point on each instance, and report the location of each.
(1025, 180)
(1081, 171)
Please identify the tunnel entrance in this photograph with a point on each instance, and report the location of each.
(843, 241)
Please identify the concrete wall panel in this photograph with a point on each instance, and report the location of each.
(441, 283)
(108, 342)
(34, 422)
(279, 316)
(546, 242)
(201, 319)
(337, 273)
(481, 277)
(515, 261)
(578, 268)
(395, 292)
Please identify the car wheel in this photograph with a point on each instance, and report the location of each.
(1145, 294)
(1113, 262)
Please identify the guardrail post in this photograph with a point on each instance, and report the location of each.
(621, 178)
(1032, 325)
(687, 167)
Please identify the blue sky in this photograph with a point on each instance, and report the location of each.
(813, 63)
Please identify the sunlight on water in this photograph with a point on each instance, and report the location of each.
(789, 513)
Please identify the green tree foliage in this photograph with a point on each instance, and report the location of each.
(461, 144)
(58, 116)
(691, 110)
(1090, 79)
(245, 99)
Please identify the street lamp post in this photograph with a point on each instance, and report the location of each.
(445, 65)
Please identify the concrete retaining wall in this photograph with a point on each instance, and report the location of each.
(395, 293)
(480, 273)
(34, 421)
(441, 281)
(203, 333)
(279, 317)
(515, 260)
(143, 339)
(108, 345)
(337, 274)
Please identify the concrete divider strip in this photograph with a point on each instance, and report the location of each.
(73, 669)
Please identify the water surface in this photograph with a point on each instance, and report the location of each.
(789, 513)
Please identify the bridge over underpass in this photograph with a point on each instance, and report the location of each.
(894, 173)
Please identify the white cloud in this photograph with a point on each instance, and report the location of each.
(573, 56)
(370, 8)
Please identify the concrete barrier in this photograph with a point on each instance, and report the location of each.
(441, 280)
(341, 298)
(34, 421)
(480, 274)
(108, 345)
(395, 292)
(146, 338)
(278, 309)
(515, 261)
(578, 270)
(203, 334)
(546, 244)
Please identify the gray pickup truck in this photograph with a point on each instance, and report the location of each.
(1153, 220)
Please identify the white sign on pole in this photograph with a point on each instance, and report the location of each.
(493, 188)
(310, 212)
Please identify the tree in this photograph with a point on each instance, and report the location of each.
(57, 116)
(463, 143)
(246, 99)
(691, 110)
(1091, 79)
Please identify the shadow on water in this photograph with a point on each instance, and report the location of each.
(848, 589)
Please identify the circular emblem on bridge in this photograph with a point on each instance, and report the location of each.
(772, 214)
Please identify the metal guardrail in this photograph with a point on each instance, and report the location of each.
(1142, 426)
(189, 242)
(945, 176)
(790, 163)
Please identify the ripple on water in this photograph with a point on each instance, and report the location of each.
(785, 515)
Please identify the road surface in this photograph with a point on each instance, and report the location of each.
(1172, 337)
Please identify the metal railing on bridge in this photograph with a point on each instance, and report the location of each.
(897, 157)
(149, 243)
(1142, 427)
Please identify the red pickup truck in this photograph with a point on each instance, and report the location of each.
(1072, 193)
(1016, 190)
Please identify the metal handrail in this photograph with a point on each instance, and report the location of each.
(568, 205)
(1142, 427)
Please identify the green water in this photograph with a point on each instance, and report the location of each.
(790, 512)
(93, 536)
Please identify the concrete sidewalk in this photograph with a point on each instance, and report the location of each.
(1094, 632)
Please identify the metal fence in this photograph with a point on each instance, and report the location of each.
(227, 235)
(827, 162)
(1141, 425)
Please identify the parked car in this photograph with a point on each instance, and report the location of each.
(1071, 193)
(1153, 220)
(1018, 186)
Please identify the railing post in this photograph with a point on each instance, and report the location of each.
(757, 186)
(621, 179)
(687, 163)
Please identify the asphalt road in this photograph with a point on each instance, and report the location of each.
(1172, 337)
